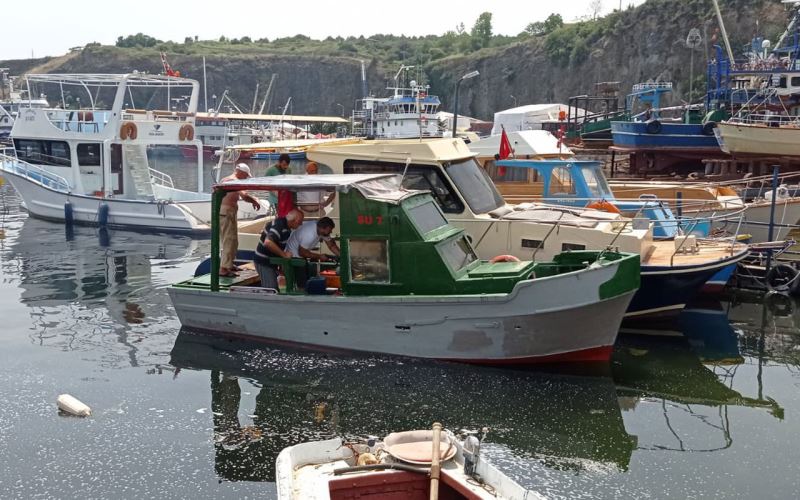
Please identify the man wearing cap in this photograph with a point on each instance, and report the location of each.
(305, 242)
(228, 228)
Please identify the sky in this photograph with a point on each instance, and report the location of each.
(49, 29)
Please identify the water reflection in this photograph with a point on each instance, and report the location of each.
(563, 420)
(83, 287)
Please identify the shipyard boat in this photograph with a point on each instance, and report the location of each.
(402, 465)
(470, 200)
(90, 165)
(411, 284)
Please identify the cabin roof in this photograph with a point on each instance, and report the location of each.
(538, 164)
(273, 118)
(379, 187)
(398, 150)
(289, 145)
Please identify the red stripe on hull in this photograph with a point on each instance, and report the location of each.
(590, 355)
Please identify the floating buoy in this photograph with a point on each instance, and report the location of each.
(69, 216)
(71, 405)
(102, 215)
(782, 278)
(503, 258)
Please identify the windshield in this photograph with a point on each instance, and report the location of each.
(476, 188)
(597, 182)
(457, 253)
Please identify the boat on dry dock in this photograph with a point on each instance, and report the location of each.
(414, 286)
(88, 162)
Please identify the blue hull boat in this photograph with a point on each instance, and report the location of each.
(659, 135)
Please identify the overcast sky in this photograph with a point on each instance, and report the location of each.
(51, 27)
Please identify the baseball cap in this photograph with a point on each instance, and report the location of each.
(244, 168)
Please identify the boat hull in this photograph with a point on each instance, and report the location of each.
(743, 140)
(543, 320)
(634, 135)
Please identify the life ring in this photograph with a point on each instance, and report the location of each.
(653, 127)
(186, 133)
(604, 206)
(503, 258)
(782, 278)
(128, 131)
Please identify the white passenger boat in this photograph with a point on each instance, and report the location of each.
(89, 164)
(400, 466)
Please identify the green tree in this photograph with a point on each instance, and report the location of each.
(137, 40)
(481, 33)
(549, 25)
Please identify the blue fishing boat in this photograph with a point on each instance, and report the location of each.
(652, 128)
(665, 282)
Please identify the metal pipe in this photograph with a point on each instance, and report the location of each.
(723, 31)
(771, 230)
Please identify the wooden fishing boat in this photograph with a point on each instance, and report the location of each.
(411, 284)
(403, 465)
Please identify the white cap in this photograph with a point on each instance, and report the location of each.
(242, 167)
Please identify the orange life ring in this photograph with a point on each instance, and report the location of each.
(128, 131)
(503, 258)
(603, 206)
(186, 133)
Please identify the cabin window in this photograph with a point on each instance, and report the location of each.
(526, 243)
(89, 155)
(427, 217)
(55, 153)
(457, 253)
(369, 261)
(561, 181)
(596, 182)
(566, 247)
(782, 82)
(475, 186)
(796, 81)
(422, 177)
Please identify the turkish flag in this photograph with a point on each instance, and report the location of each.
(505, 146)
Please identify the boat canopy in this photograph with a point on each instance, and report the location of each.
(379, 187)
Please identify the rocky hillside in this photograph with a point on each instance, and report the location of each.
(630, 46)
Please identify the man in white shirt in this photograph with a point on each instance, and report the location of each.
(304, 242)
(314, 203)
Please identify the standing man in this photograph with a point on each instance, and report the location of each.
(283, 201)
(305, 243)
(272, 244)
(228, 227)
(313, 203)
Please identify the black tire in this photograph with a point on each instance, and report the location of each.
(782, 278)
(653, 127)
(708, 128)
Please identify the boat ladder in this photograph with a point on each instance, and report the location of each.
(136, 161)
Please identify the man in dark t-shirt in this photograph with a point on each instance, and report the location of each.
(272, 244)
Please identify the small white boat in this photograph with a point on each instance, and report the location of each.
(400, 466)
(90, 164)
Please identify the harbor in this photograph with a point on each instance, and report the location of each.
(398, 267)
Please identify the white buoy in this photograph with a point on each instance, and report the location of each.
(71, 405)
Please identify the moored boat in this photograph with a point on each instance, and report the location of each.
(91, 166)
(402, 465)
(411, 284)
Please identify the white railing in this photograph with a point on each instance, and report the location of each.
(34, 173)
(653, 85)
(160, 178)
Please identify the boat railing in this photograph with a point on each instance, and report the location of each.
(34, 173)
(82, 121)
(157, 115)
(160, 178)
(765, 119)
(639, 87)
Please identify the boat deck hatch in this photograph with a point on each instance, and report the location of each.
(499, 269)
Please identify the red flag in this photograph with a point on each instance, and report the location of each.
(505, 146)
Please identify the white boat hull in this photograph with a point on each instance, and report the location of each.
(191, 217)
(559, 318)
(740, 139)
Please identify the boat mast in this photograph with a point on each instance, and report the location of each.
(724, 31)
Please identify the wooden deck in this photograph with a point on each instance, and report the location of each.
(661, 252)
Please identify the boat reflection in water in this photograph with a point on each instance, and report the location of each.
(565, 420)
(687, 384)
(85, 285)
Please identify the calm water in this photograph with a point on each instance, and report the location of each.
(178, 415)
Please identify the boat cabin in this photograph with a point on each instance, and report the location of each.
(394, 241)
(582, 184)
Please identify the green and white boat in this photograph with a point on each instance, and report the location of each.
(410, 284)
